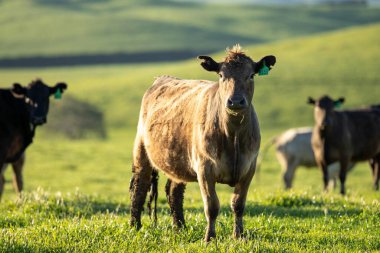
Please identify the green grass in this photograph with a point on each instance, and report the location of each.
(76, 195)
(53, 28)
(276, 222)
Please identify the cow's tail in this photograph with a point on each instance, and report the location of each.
(262, 154)
(153, 195)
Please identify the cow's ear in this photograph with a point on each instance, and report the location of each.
(209, 64)
(18, 89)
(310, 101)
(60, 87)
(265, 64)
(339, 102)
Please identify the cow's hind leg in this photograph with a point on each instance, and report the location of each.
(288, 176)
(174, 193)
(3, 166)
(18, 182)
(140, 183)
(153, 196)
(2, 179)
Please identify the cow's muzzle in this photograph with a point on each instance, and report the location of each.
(39, 120)
(236, 103)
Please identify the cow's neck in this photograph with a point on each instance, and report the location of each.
(235, 132)
(234, 124)
(27, 130)
(325, 134)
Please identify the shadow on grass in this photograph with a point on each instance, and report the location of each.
(304, 212)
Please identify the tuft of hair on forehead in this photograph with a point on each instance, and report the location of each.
(236, 55)
(37, 81)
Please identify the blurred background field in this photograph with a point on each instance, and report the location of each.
(320, 49)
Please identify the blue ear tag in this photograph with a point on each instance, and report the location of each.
(58, 94)
(264, 70)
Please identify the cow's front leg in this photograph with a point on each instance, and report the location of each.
(325, 175)
(210, 201)
(238, 202)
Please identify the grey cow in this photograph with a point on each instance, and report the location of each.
(293, 149)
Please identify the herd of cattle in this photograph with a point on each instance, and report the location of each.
(205, 131)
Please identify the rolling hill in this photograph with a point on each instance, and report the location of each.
(342, 63)
(84, 28)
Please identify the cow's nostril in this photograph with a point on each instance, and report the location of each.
(242, 102)
(236, 103)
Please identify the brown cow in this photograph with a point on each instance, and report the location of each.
(345, 136)
(197, 130)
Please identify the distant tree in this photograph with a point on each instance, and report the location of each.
(76, 119)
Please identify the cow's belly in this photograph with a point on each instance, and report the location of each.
(15, 147)
(308, 162)
(169, 155)
(366, 153)
(174, 166)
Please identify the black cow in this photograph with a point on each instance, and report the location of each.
(345, 136)
(22, 109)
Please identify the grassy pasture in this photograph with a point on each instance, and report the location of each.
(83, 202)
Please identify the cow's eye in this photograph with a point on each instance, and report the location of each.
(220, 75)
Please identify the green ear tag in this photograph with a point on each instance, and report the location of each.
(338, 104)
(58, 94)
(264, 70)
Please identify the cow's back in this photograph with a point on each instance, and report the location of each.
(363, 131)
(12, 110)
(295, 145)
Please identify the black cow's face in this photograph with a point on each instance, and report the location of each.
(323, 108)
(36, 97)
(236, 73)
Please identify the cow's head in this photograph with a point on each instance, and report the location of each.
(36, 96)
(323, 108)
(236, 73)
